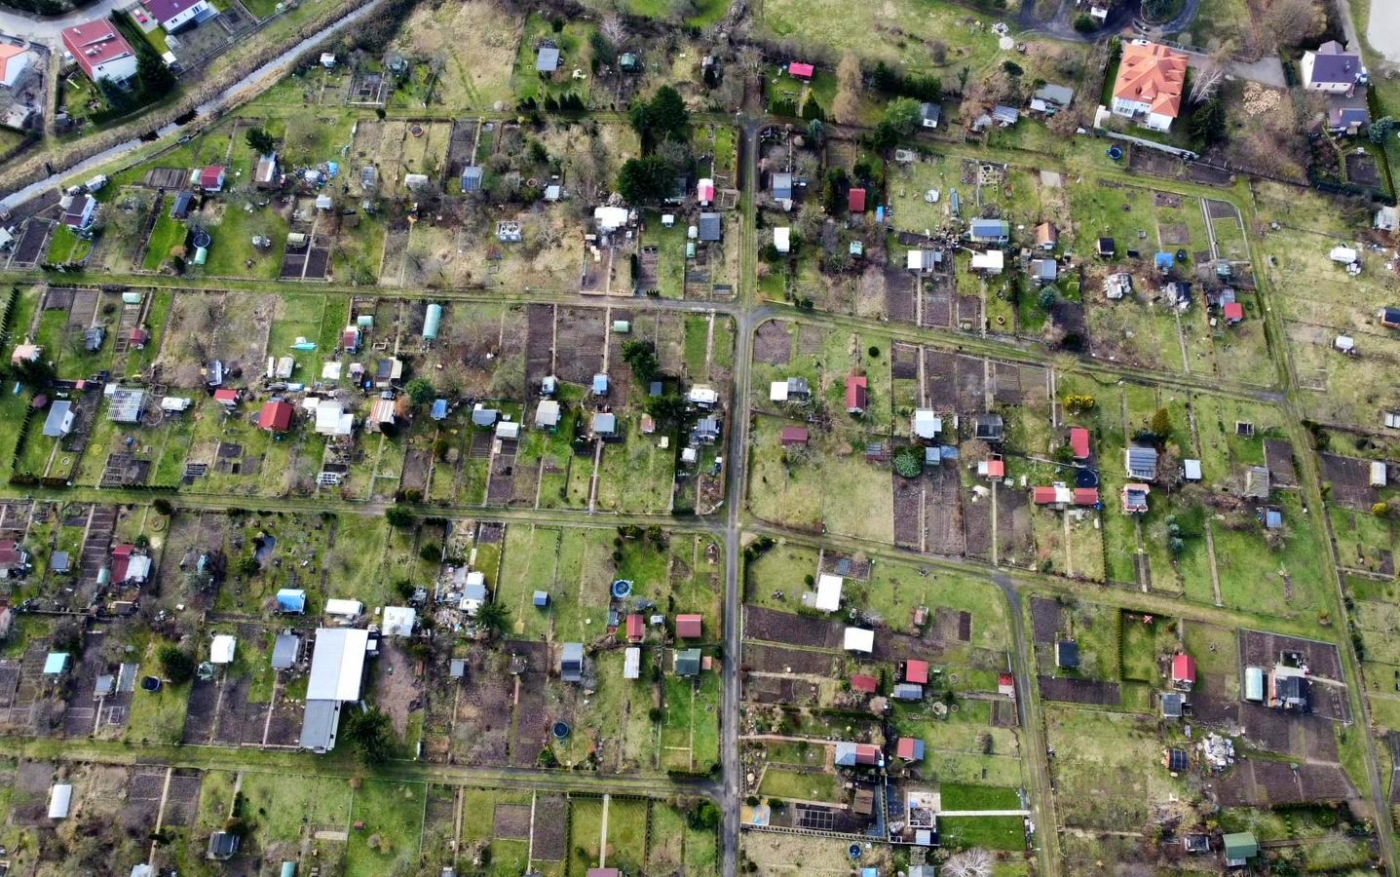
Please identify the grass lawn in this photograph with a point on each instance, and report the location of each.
(393, 817)
(792, 785)
(167, 234)
(959, 796)
(987, 832)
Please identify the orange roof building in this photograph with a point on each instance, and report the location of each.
(1150, 84)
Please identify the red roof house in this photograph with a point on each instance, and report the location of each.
(121, 559)
(689, 626)
(226, 397)
(1043, 495)
(1086, 496)
(909, 749)
(794, 436)
(1006, 684)
(916, 671)
(855, 201)
(636, 628)
(276, 417)
(1234, 312)
(211, 179)
(856, 388)
(865, 684)
(100, 51)
(802, 71)
(1183, 672)
(995, 469)
(1079, 442)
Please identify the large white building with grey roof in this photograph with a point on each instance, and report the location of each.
(337, 675)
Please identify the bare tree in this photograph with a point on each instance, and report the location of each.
(1295, 22)
(846, 107)
(1211, 74)
(972, 863)
(613, 29)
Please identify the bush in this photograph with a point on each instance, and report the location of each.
(431, 552)
(162, 506)
(1084, 24)
(175, 664)
(909, 462)
(398, 516)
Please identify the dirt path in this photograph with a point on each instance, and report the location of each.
(1143, 580)
(530, 851)
(710, 343)
(1210, 531)
(995, 546)
(593, 481)
(1069, 552)
(160, 812)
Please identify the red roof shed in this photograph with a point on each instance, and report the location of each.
(1234, 312)
(802, 71)
(916, 671)
(226, 397)
(1184, 669)
(855, 201)
(996, 468)
(794, 436)
(856, 387)
(636, 628)
(1086, 496)
(866, 684)
(1043, 495)
(276, 417)
(1079, 442)
(689, 626)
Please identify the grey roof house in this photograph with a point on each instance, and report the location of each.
(471, 178)
(547, 59)
(1141, 463)
(782, 186)
(571, 662)
(711, 228)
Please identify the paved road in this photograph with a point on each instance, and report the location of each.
(45, 28)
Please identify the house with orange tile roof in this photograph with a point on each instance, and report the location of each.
(1151, 85)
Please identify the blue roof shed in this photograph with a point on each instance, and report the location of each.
(541, 599)
(439, 411)
(291, 600)
(1165, 261)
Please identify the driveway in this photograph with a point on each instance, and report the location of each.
(1266, 71)
(46, 29)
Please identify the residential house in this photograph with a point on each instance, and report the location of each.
(989, 428)
(829, 589)
(1052, 98)
(80, 212)
(177, 15)
(209, 179)
(702, 396)
(856, 390)
(794, 437)
(790, 390)
(1141, 463)
(1067, 655)
(705, 432)
(781, 186)
(265, 175)
(1079, 442)
(927, 424)
(711, 229)
(1150, 84)
(1240, 847)
(989, 231)
(1183, 672)
(930, 115)
(286, 651)
(60, 420)
(337, 675)
(855, 201)
(1289, 689)
(858, 755)
(802, 71)
(334, 421)
(1332, 69)
(689, 626)
(604, 425)
(547, 415)
(1047, 237)
(100, 51)
(600, 385)
(687, 662)
(14, 63)
(14, 560)
(1134, 498)
(1004, 116)
(223, 845)
(909, 749)
(992, 262)
(276, 417)
(547, 60)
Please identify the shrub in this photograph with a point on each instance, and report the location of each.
(1084, 24)
(176, 664)
(909, 462)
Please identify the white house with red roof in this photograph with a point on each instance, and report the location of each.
(14, 63)
(176, 15)
(100, 51)
(210, 179)
(1150, 84)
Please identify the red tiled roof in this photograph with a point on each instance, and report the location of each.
(867, 753)
(636, 630)
(123, 550)
(689, 626)
(1184, 669)
(276, 416)
(856, 386)
(94, 43)
(226, 396)
(1043, 495)
(855, 201)
(209, 177)
(1079, 442)
(867, 684)
(996, 468)
(1006, 679)
(801, 71)
(1086, 496)
(916, 671)
(1234, 312)
(350, 338)
(1153, 75)
(905, 747)
(794, 435)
